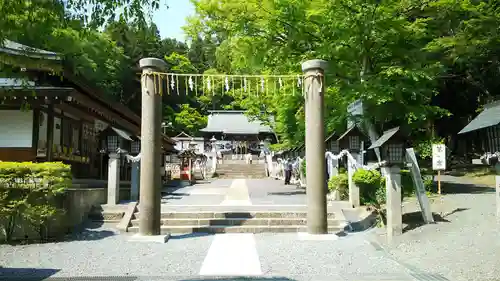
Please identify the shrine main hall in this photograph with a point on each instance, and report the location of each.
(236, 133)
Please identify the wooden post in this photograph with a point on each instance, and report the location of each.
(50, 132)
(439, 181)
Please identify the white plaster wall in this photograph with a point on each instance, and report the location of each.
(16, 128)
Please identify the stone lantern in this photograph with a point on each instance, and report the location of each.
(392, 146)
(353, 140)
(332, 145)
(116, 142)
(135, 149)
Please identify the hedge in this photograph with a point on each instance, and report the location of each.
(372, 185)
(28, 193)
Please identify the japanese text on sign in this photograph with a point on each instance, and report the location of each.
(438, 157)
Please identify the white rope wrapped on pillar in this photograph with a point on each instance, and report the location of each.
(131, 158)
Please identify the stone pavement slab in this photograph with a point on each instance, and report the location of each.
(270, 191)
(236, 192)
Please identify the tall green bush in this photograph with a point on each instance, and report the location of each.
(369, 183)
(28, 193)
(340, 183)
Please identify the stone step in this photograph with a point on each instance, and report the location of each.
(238, 222)
(234, 229)
(105, 216)
(241, 177)
(235, 215)
(240, 174)
(240, 171)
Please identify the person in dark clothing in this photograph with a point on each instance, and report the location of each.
(288, 171)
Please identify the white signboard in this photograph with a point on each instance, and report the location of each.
(438, 157)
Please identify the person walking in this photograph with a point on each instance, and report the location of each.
(288, 171)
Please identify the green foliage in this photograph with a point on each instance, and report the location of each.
(104, 11)
(424, 148)
(370, 187)
(340, 183)
(190, 120)
(303, 168)
(28, 192)
(375, 53)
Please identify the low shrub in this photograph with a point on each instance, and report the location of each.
(373, 190)
(340, 183)
(369, 183)
(28, 193)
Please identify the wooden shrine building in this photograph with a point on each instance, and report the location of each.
(236, 133)
(48, 113)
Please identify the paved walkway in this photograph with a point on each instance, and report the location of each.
(236, 192)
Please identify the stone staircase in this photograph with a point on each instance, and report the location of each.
(233, 169)
(236, 222)
(230, 219)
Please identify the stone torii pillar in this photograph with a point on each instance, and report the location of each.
(315, 146)
(150, 181)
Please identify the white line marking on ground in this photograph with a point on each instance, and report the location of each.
(237, 194)
(232, 255)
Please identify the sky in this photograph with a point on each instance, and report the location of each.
(171, 20)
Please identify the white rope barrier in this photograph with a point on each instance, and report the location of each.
(329, 157)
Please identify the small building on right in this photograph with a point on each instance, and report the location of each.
(487, 123)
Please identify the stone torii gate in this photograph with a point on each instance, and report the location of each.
(150, 180)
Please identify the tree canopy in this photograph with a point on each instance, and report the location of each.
(408, 60)
(425, 65)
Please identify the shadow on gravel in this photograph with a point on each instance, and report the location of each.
(295, 192)
(189, 235)
(462, 188)
(239, 279)
(89, 231)
(414, 220)
(23, 274)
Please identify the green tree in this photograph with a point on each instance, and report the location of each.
(375, 53)
(189, 120)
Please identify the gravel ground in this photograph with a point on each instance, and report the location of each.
(348, 258)
(107, 254)
(281, 255)
(462, 245)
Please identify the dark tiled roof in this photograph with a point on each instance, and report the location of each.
(489, 117)
(14, 48)
(384, 138)
(235, 122)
